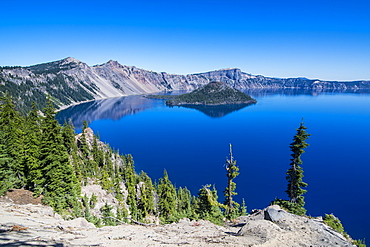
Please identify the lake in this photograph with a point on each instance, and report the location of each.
(192, 144)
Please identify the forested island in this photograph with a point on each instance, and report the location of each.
(81, 177)
(214, 93)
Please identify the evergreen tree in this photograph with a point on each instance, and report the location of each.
(107, 214)
(59, 184)
(98, 154)
(184, 207)
(90, 168)
(69, 141)
(83, 144)
(167, 199)
(32, 142)
(130, 179)
(243, 208)
(68, 134)
(11, 124)
(7, 178)
(208, 207)
(106, 171)
(294, 174)
(231, 207)
(146, 199)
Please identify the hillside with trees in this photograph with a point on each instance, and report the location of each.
(214, 93)
(40, 155)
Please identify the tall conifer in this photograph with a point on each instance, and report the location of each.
(130, 179)
(7, 177)
(59, 182)
(167, 199)
(295, 172)
(208, 207)
(32, 148)
(13, 136)
(232, 170)
(146, 200)
(295, 188)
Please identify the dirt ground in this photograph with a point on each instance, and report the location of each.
(21, 197)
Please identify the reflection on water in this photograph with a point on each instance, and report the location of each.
(216, 111)
(114, 108)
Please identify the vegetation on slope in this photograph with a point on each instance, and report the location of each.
(43, 80)
(214, 93)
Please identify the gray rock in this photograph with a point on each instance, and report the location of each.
(77, 223)
(274, 213)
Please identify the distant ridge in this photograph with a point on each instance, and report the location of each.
(70, 81)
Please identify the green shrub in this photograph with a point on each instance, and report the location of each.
(334, 223)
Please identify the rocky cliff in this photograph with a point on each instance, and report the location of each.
(70, 81)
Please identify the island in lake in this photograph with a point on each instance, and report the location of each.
(214, 93)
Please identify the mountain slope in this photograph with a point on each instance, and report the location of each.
(71, 81)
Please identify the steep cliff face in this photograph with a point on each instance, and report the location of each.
(70, 81)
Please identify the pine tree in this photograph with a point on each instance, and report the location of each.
(208, 207)
(11, 124)
(184, 207)
(294, 174)
(68, 134)
(32, 142)
(97, 153)
(167, 199)
(243, 209)
(146, 199)
(7, 178)
(106, 172)
(130, 181)
(59, 184)
(83, 144)
(69, 141)
(107, 215)
(231, 207)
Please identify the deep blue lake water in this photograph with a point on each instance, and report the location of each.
(192, 144)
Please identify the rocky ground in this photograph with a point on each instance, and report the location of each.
(25, 222)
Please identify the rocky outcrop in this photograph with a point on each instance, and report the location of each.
(22, 225)
(275, 227)
(70, 81)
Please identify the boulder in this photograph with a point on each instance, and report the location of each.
(274, 213)
(79, 223)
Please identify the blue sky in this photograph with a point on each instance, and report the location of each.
(328, 40)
